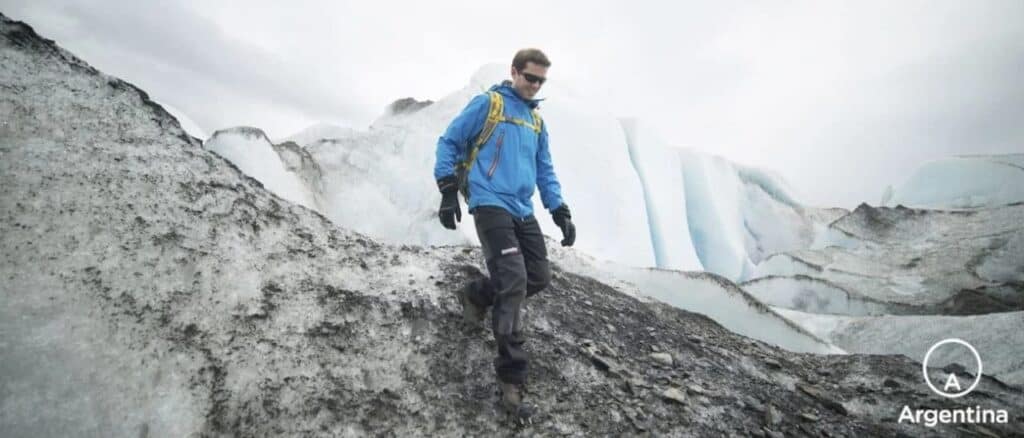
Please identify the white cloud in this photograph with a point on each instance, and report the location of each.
(841, 98)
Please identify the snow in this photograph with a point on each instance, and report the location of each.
(640, 202)
(1005, 263)
(380, 181)
(914, 257)
(252, 152)
(727, 304)
(708, 213)
(811, 294)
(636, 200)
(189, 125)
(318, 131)
(713, 200)
(660, 172)
(599, 182)
(735, 215)
(148, 281)
(784, 265)
(963, 182)
(891, 280)
(995, 336)
(699, 292)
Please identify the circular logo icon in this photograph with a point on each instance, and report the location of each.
(952, 382)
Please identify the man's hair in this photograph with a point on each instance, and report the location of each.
(530, 55)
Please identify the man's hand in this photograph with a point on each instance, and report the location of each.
(563, 219)
(449, 212)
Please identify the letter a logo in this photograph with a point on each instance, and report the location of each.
(952, 382)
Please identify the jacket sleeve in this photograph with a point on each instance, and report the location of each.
(466, 127)
(547, 182)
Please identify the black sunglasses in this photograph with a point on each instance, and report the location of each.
(533, 79)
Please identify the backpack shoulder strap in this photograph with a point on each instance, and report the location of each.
(495, 115)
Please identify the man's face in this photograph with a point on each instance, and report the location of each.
(521, 80)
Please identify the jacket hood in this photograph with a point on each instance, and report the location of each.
(505, 88)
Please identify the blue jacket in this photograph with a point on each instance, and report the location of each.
(512, 161)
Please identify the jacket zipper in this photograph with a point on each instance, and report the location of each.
(497, 154)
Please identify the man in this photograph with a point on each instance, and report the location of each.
(501, 176)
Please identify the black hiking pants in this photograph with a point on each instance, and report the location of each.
(517, 261)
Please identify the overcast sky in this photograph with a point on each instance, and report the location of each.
(841, 98)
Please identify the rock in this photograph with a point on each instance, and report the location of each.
(694, 389)
(954, 368)
(982, 430)
(753, 403)
(772, 416)
(608, 350)
(637, 423)
(607, 365)
(630, 388)
(772, 433)
(84, 154)
(809, 417)
(613, 368)
(407, 105)
(675, 395)
(890, 383)
(662, 358)
(824, 399)
(639, 383)
(772, 363)
(562, 428)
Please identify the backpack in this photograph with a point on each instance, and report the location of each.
(495, 115)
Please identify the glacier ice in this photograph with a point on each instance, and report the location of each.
(636, 199)
(963, 182)
(252, 152)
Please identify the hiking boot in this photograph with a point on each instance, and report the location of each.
(472, 314)
(512, 402)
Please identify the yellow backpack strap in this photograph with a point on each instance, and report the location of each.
(495, 115)
(535, 125)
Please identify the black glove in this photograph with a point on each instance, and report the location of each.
(449, 212)
(563, 219)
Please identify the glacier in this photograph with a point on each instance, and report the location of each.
(971, 181)
(154, 288)
(251, 150)
(636, 199)
(649, 213)
(885, 280)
